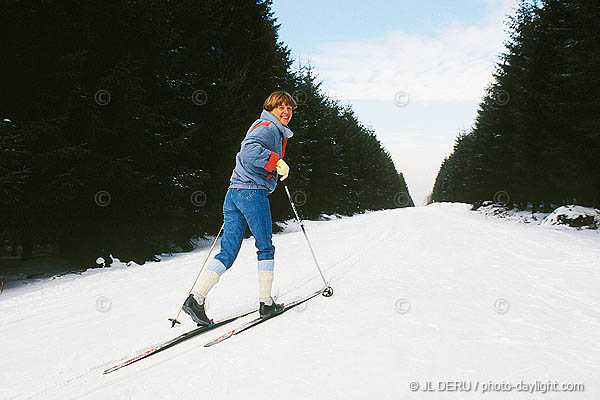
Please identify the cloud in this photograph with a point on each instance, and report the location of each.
(454, 63)
(444, 73)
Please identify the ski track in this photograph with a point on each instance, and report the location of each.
(420, 294)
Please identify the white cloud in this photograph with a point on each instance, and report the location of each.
(453, 64)
(444, 74)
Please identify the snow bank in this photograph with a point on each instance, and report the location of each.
(497, 210)
(574, 216)
(571, 216)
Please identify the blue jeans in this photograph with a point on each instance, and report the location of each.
(241, 208)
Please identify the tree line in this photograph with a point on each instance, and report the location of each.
(121, 121)
(536, 138)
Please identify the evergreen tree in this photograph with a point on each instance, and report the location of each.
(536, 133)
(124, 118)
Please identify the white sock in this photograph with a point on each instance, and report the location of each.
(268, 301)
(206, 281)
(265, 282)
(199, 298)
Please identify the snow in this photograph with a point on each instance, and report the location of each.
(436, 293)
(569, 216)
(574, 216)
(491, 209)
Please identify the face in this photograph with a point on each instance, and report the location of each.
(283, 113)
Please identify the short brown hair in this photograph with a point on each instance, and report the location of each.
(278, 98)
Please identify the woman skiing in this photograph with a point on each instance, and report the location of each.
(254, 177)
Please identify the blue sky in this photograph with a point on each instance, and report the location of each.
(414, 71)
(309, 21)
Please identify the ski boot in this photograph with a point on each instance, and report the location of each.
(196, 311)
(270, 311)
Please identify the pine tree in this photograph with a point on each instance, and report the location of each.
(536, 133)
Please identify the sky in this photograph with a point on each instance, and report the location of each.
(414, 71)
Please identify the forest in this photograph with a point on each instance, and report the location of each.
(120, 122)
(535, 143)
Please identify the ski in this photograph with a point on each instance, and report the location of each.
(259, 320)
(170, 343)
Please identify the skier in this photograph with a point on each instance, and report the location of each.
(254, 177)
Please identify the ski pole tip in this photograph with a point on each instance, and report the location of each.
(328, 292)
(173, 322)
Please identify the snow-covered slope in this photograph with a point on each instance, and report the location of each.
(435, 293)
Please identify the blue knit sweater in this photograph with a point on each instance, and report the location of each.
(262, 147)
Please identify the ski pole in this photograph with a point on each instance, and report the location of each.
(328, 290)
(174, 320)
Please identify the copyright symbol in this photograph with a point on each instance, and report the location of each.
(103, 304)
(501, 97)
(501, 197)
(401, 99)
(401, 199)
(199, 97)
(102, 198)
(414, 386)
(501, 306)
(300, 97)
(300, 307)
(402, 306)
(198, 198)
(102, 97)
(299, 198)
